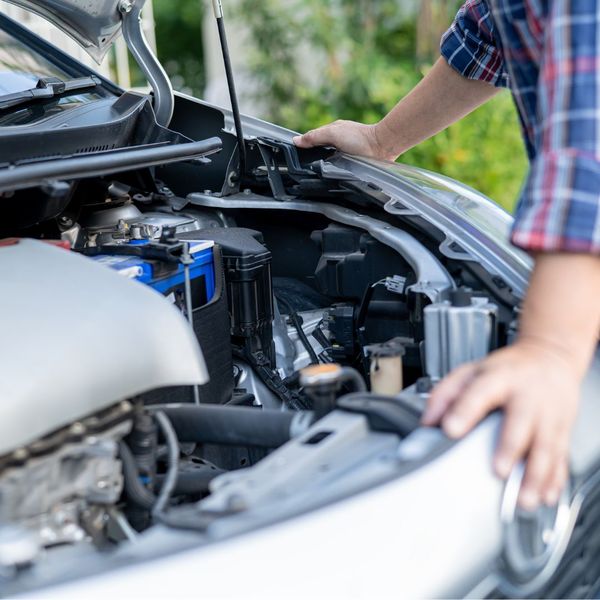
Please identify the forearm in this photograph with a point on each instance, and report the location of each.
(562, 308)
(440, 99)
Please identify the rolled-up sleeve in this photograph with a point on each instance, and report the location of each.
(470, 46)
(559, 209)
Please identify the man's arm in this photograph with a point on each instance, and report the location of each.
(468, 75)
(440, 99)
(537, 381)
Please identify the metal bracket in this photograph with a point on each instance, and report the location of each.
(290, 155)
(273, 173)
(304, 461)
(452, 249)
(231, 185)
(395, 207)
(433, 280)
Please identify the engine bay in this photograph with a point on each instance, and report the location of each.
(323, 321)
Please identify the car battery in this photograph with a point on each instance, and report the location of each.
(169, 278)
(211, 320)
(247, 266)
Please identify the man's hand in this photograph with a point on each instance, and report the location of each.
(539, 392)
(440, 99)
(536, 381)
(346, 136)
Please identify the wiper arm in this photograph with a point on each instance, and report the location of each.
(48, 87)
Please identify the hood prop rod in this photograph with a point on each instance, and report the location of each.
(235, 107)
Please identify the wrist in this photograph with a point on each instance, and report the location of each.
(558, 351)
(561, 311)
(386, 141)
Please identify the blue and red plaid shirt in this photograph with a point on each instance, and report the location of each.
(548, 53)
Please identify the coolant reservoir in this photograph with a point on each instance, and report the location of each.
(386, 367)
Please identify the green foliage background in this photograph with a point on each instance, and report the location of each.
(367, 63)
(179, 41)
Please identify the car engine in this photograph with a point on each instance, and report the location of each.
(213, 338)
(265, 300)
(161, 339)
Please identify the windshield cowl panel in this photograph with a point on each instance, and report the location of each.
(30, 115)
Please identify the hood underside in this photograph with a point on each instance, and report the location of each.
(94, 24)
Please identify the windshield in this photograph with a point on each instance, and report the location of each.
(20, 69)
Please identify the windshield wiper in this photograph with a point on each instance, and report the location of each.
(48, 87)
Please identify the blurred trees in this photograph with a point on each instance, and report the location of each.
(319, 60)
(179, 42)
(432, 20)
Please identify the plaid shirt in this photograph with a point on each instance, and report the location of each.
(548, 53)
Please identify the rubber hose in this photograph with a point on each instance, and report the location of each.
(384, 413)
(134, 489)
(301, 335)
(170, 480)
(353, 376)
(230, 425)
(190, 483)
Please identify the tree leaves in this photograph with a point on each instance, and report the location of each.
(318, 60)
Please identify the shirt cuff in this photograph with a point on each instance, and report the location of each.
(559, 210)
(473, 58)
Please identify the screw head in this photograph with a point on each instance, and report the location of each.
(21, 454)
(126, 6)
(77, 429)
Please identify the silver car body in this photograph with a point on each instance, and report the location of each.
(405, 533)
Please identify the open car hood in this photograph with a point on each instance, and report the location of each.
(95, 24)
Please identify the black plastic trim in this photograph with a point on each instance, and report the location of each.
(34, 175)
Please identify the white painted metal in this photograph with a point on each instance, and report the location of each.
(423, 536)
(76, 337)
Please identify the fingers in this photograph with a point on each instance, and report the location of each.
(305, 141)
(540, 410)
(486, 391)
(324, 136)
(540, 464)
(446, 392)
(547, 469)
(515, 440)
(546, 452)
(556, 483)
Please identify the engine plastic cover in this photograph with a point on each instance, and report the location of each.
(77, 337)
